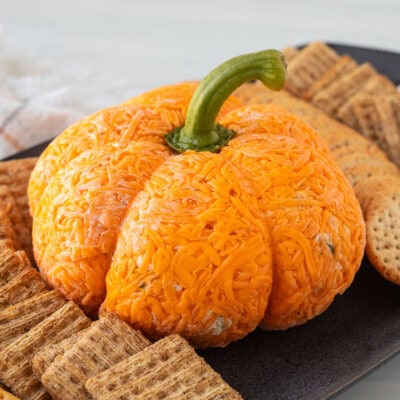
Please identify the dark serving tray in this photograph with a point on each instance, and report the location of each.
(360, 331)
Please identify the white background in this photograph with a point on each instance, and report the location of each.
(149, 43)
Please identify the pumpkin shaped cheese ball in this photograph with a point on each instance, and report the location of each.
(153, 211)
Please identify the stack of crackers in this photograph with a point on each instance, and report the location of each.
(14, 176)
(50, 349)
(375, 179)
(355, 94)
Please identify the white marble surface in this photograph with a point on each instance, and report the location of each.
(153, 42)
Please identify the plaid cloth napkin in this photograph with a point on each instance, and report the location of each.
(39, 99)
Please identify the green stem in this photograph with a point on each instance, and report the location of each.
(200, 132)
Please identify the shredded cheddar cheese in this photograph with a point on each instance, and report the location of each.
(202, 244)
(199, 232)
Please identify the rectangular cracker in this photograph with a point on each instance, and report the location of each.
(17, 172)
(13, 213)
(21, 223)
(308, 66)
(377, 84)
(107, 342)
(290, 53)
(168, 369)
(379, 120)
(25, 285)
(16, 359)
(389, 133)
(17, 319)
(14, 175)
(7, 231)
(12, 263)
(46, 356)
(364, 109)
(344, 65)
(339, 92)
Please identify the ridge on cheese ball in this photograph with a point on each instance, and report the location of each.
(316, 225)
(77, 220)
(193, 256)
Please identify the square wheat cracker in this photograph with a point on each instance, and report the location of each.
(16, 359)
(46, 356)
(168, 369)
(335, 95)
(290, 53)
(9, 206)
(25, 285)
(378, 120)
(12, 263)
(7, 231)
(105, 343)
(376, 85)
(344, 65)
(14, 175)
(17, 319)
(308, 66)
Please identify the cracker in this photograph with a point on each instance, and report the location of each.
(25, 285)
(168, 369)
(352, 159)
(16, 359)
(374, 187)
(4, 395)
(383, 233)
(344, 141)
(377, 84)
(14, 175)
(378, 120)
(343, 66)
(5, 245)
(380, 84)
(13, 213)
(107, 342)
(308, 66)
(290, 53)
(7, 231)
(17, 319)
(12, 263)
(366, 114)
(257, 93)
(389, 135)
(335, 95)
(46, 356)
(358, 172)
(343, 148)
(254, 93)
